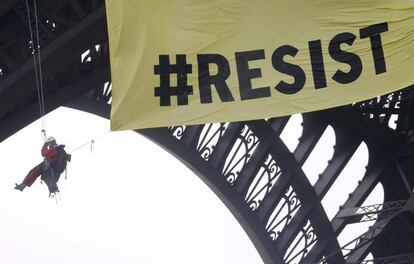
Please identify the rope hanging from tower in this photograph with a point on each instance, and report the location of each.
(35, 48)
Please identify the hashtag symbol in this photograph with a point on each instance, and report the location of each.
(165, 70)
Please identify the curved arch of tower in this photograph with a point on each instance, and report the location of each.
(260, 177)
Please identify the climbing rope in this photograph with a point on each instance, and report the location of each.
(91, 143)
(37, 65)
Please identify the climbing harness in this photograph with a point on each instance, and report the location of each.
(91, 143)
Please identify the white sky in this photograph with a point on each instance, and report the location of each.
(128, 201)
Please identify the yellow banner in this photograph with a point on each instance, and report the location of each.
(183, 62)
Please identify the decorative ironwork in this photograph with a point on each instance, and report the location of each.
(300, 247)
(209, 137)
(240, 154)
(387, 101)
(381, 108)
(371, 212)
(177, 131)
(263, 182)
(103, 93)
(88, 56)
(283, 213)
(399, 259)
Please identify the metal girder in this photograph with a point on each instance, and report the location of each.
(223, 190)
(302, 187)
(17, 104)
(399, 259)
(30, 113)
(368, 129)
(184, 150)
(313, 128)
(364, 188)
(25, 13)
(358, 247)
(371, 212)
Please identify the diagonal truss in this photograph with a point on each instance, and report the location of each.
(371, 212)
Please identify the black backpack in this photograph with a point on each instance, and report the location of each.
(62, 160)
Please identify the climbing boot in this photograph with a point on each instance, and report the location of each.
(20, 186)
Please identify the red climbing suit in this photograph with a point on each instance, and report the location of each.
(51, 154)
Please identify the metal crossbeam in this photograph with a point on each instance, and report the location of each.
(371, 212)
(365, 238)
(388, 210)
(400, 259)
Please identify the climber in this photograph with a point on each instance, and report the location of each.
(53, 164)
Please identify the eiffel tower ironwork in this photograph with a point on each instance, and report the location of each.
(246, 164)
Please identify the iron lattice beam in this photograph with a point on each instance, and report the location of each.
(61, 60)
(25, 12)
(371, 212)
(400, 259)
